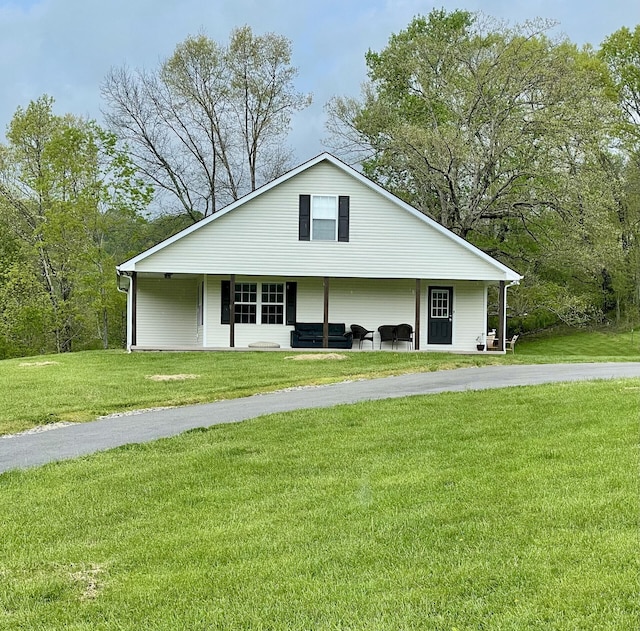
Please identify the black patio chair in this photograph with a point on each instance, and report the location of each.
(404, 333)
(361, 334)
(387, 333)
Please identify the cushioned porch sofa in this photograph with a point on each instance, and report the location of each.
(309, 335)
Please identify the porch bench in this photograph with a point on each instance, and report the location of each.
(309, 335)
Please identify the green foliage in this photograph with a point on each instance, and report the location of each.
(478, 124)
(26, 316)
(510, 139)
(477, 510)
(62, 183)
(621, 52)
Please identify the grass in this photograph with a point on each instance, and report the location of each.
(582, 344)
(469, 510)
(82, 386)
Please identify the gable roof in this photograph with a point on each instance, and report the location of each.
(509, 274)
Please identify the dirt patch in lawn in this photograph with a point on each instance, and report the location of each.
(29, 364)
(316, 356)
(171, 377)
(89, 581)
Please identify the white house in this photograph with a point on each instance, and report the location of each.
(321, 243)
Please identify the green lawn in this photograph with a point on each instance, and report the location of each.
(581, 344)
(476, 510)
(82, 386)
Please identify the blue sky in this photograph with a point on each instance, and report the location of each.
(64, 48)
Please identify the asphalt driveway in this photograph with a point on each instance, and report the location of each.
(29, 450)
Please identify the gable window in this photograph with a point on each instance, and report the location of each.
(246, 300)
(324, 217)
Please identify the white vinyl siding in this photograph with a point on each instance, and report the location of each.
(166, 312)
(261, 237)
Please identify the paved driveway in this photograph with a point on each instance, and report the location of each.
(29, 450)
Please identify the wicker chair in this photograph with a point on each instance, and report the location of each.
(387, 334)
(361, 334)
(404, 333)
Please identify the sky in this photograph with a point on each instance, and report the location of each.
(65, 48)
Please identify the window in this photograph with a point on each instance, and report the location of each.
(324, 217)
(246, 299)
(272, 303)
(277, 303)
(440, 303)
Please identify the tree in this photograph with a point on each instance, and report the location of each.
(59, 175)
(469, 122)
(210, 124)
(501, 134)
(621, 52)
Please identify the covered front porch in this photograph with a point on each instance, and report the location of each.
(168, 311)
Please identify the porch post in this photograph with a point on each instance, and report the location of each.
(232, 311)
(502, 315)
(416, 335)
(205, 296)
(134, 308)
(325, 323)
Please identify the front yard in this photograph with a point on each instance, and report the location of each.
(456, 511)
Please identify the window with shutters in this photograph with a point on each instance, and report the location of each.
(276, 302)
(324, 217)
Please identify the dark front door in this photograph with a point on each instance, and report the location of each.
(440, 315)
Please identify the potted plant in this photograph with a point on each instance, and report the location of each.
(480, 342)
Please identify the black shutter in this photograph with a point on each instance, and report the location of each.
(304, 225)
(201, 303)
(225, 302)
(343, 218)
(292, 300)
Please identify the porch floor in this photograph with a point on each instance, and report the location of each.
(241, 349)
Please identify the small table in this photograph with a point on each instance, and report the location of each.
(492, 343)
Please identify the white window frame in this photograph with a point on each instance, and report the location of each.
(316, 211)
(243, 307)
(255, 309)
(440, 304)
(271, 290)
